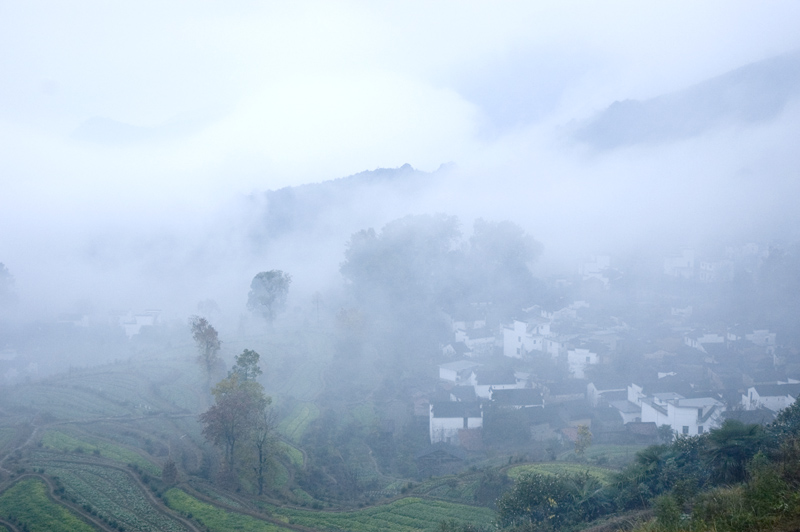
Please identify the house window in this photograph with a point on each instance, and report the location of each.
(519, 338)
(686, 429)
(587, 360)
(518, 350)
(700, 429)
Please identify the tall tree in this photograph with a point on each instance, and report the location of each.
(268, 293)
(263, 441)
(240, 420)
(208, 343)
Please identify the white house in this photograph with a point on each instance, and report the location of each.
(578, 360)
(716, 271)
(775, 397)
(628, 411)
(489, 379)
(596, 268)
(479, 341)
(517, 398)
(697, 340)
(685, 416)
(134, 323)
(448, 419)
(763, 338)
(682, 266)
(457, 372)
(525, 336)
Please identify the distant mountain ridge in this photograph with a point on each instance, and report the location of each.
(360, 198)
(754, 93)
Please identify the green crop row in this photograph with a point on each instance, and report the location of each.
(113, 494)
(297, 422)
(27, 503)
(404, 515)
(216, 519)
(67, 403)
(294, 454)
(61, 441)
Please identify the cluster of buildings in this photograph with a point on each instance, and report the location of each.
(576, 366)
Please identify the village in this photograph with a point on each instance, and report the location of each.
(551, 372)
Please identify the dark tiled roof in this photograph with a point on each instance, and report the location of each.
(777, 390)
(456, 409)
(465, 394)
(489, 376)
(517, 397)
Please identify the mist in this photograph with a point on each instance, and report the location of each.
(147, 154)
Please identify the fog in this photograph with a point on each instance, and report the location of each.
(138, 143)
(430, 244)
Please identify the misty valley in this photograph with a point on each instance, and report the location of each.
(396, 266)
(440, 385)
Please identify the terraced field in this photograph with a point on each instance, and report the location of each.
(26, 503)
(296, 423)
(112, 494)
(79, 433)
(214, 518)
(404, 515)
(62, 441)
(613, 455)
(551, 468)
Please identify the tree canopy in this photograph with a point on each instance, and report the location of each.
(420, 265)
(207, 341)
(239, 421)
(268, 294)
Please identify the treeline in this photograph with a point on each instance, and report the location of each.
(735, 478)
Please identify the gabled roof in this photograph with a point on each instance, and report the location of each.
(778, 390)
(626, 407)
(568, 387)
(453, 409)
(460, 348)
(465, 394)
(490, 376)
(517, 397)
(459, 365)
(485, 332)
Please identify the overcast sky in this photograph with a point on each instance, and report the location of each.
(150, 112)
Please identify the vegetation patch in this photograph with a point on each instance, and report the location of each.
(6, 436)
(617, 455)
(26, 503)
(113, 496)
(213, 518)
(61, 441)
(554, 468)
(295, 425)
(404, 515)
(294, 454)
